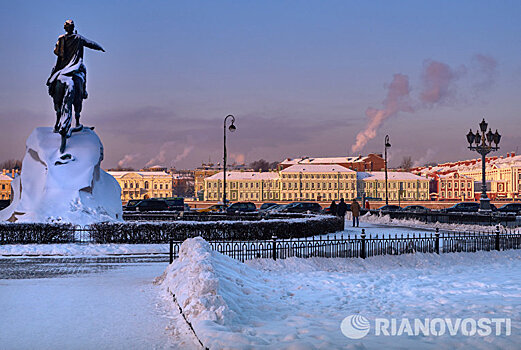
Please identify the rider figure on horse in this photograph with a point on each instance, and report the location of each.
(67, 83)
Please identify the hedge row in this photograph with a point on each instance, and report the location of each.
(26, 233)
(161, 232)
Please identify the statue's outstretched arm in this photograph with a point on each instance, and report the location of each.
(92, 45)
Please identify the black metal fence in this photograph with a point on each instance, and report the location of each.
(362, 246)
(484, 219)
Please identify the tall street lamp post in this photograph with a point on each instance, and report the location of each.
(387, 145)
(232, 128)
(483, 145)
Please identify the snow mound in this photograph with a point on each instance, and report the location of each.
(69, 187)
(383, 219)
(216, 294)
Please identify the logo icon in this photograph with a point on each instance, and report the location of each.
(355, 326)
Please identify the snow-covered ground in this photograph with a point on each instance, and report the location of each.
(385, 220)
(116, 309)
(72, 249)
(300, 303)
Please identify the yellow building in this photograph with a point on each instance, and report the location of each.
(400, 185)
(143, 184)
(5, 186)
(243, 186)
(317, 182)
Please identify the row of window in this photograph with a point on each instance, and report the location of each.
(449, 184)
(317, 196)
(317, 176)
(394, 185)
(146, 185)
(318, 185)
(457, 194)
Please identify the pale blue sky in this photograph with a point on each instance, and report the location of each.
(298, 75)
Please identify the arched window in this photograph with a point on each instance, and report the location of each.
(146, 185)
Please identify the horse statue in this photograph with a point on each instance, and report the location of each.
(68, 81)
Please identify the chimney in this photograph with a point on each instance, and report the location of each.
(513, 154)
(4, 171)
(12, 173)
(508, 155)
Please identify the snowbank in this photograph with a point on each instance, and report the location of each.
(386, 220)
(216, 293)
(300, 303)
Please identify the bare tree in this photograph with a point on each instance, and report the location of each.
(406, 163)
(259, 165)
(11, 164)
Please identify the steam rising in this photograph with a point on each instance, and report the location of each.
(438, 87)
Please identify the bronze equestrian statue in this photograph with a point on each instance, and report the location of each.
(68, 81)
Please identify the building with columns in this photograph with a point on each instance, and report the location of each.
(317, 182)
(243, 186)
(400, 186)
(143, 184)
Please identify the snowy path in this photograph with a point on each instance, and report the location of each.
(114, 309)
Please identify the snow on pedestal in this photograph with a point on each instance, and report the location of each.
(64, 188)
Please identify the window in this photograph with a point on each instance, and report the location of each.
(160, 186)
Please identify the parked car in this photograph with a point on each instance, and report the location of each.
(216, 208)
(390, 207)
(510, 208)
(276, 208)
(176, 203)
(303, 207)
(464, 207)
(266, 206)
(416, 209)
(241, 207)
(131, 205)
(152, 205)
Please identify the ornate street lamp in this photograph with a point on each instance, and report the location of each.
(483, 145)
(387, 145)
(232, 128)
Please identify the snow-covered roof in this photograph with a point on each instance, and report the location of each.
(316, 168)
(118, 174)
(4, 177)
(473, 165)
(391, 175)
(323, 160)
(245, 175)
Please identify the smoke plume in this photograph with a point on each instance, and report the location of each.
(437, 80)
(397, 100)
(167, 149)
(438, 87)
(127, 160)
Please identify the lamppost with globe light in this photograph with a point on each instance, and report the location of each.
(483, 145)
(232, 128)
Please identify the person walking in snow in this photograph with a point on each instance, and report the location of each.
(341, 210)
(355, 210)
(332, 208)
